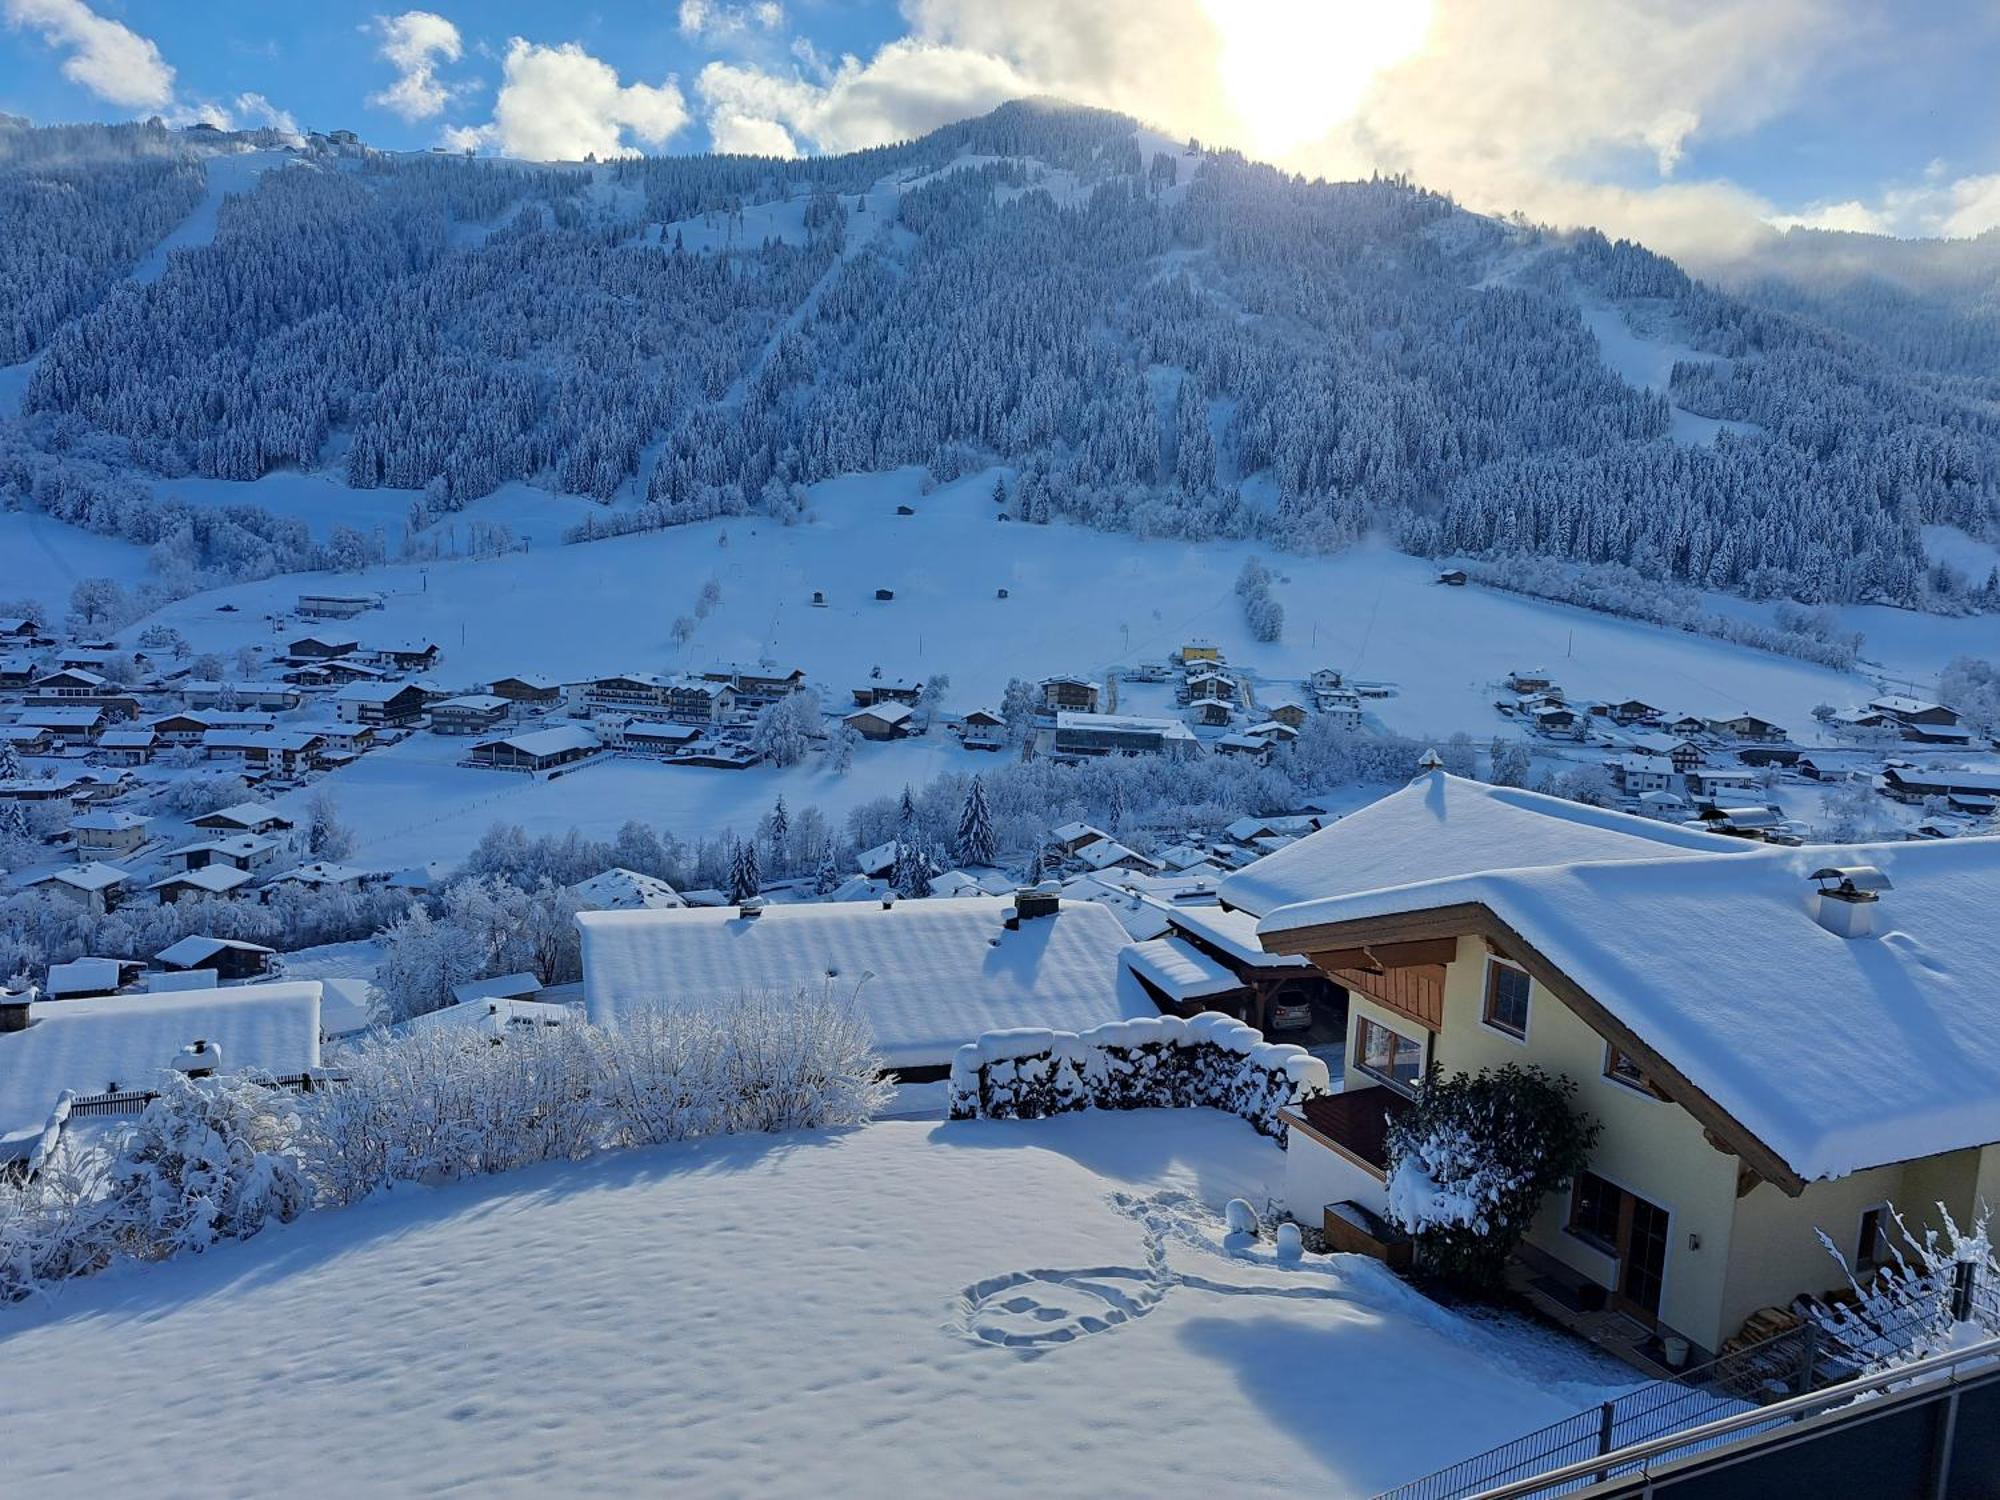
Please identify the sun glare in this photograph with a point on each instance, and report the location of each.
(1294, 69)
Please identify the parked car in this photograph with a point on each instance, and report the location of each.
(1291, 1015)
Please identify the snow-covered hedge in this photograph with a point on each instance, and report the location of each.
(1210, 1061)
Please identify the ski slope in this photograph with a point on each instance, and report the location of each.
(803, 1315)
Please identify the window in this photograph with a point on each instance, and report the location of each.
(1593, 1212)
(1388, 1055)
(1872, 1248)
(1506, 998)
(1619, 1067)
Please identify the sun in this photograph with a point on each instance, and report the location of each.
(1292, 70)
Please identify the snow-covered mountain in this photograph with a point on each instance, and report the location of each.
(1148, 335)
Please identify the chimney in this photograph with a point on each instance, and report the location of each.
(14, 1009)
(1032, 901)
(888, 900)
(749, 907)
(1848, 896)
(199, 1059)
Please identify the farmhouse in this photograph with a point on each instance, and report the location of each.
(1707, 786)
(1908, 784)
(72, 726)
(473, 714)
(381, 702)
(17, 671)
(1642, 773)
(96, 887)
(926, 976)
(1121, 734)
(121, 1042)
(885, 720)
(1475, 926)
(1068, 691)
(1557, 721)
(982, 729)
(648, 736)
(336, 606)
(202, 881)
(268, 697)
(537, 750)
(1915, 711)
(325, 875)
(104, 834)
(126, 747)
(618, 889)
(535, 690)
(242, 817)
(1530, 680)
(1745, 727)
(27, 739)
(229, 959)
(1287, 711)
(1245, 746)
(402, 656)
(887, 690)
(1632, 711)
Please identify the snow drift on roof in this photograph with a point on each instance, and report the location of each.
(1446, 825)
(926, 975)
(1179, 971)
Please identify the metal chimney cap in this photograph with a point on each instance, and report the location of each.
(1854, 877)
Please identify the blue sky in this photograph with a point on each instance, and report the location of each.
(1681, 121)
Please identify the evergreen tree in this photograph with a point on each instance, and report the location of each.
(976, 844)
(745, 877)
(10, 763)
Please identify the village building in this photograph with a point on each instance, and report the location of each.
(755, 686)
(1068, 691)
(320, 646)
(18, 630)
(1287, 711)
(1769, 755)
(336, 606)
(1211, 687)
(242, 851)
(230, 960)
(1909, 784)
(88, 978)
(242, 817)
(17, 672)
(884, 720)
(1706, 785)
(1211, 713)
(982, 729)
(647, 736)
(205, 881)
(105, 834)
(619, 889)
(1635, 774)
(1557, 721)
(887, 690)
(96, 887)
(926, 976)
(1342, 709)
(537, 750)
(473, 714)
(1082, 734)
(262, 697)
(687, 700)
(400, 656)
(1687, 727)
(1530, 680)
(381, 703)
(1276, 993)
(44, 789)
(80, 725)
(533, 690)
(328, 875)
(1243, 746)
(1745, 727)
(1199, 650)
(1907, 710)
(114, 1043)
(1477, 926)
(126, 747)
(1108, 854)
(494, 1016)
(1632, 711)
(27, 739)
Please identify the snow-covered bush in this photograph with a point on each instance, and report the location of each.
(1211, 1061)
(1907, 1310)
(55, 1225)
(1471, 1159)
(210, 1159)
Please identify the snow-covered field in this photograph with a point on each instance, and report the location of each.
(990, 1308)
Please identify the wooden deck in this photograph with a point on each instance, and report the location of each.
(1357, 1122)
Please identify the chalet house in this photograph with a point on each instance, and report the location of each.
(758, 685)
(941, 972)
(209, 882)
(538, 750)
(1068, 838)
(1080, 734)
(240, 851)
(619, 889)
(1244, 747)
(381, 703)
(534, 690)
(281, 752)
(336, 606)
(1273, 731)
(1687, 726)
(1908, 784)
(1213, 687)
(97, 888)
(1211, 713)
(344, 741)
(887, 690)
(1066, 691)
(336, 671)
(1708, 786)
(17, 630)
(1632, 711)
(883, 721)
(126, 747)
(16, 672)
(1108, 854)
(72, 726)
(1915, 711)
(1745, 727)
(44, 789)
(1558, 722)
(983, 729)
(1684, 753)
(320, 647)
(1530, 680)
(1452, 577)
(242, 817)
(104, 834)
(473, 714)
(1287, 711)
(1635, 774)
(1342, 708)
(325, 875)
(27, 739)
(92, 1046)
(72, 682)
(229, 959)
(179, 729)
(1475, 926)
(401, 656)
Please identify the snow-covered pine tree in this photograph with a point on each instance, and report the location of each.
(745, 877)
(977, 844)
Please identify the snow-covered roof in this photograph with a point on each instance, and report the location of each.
(551, 741)
(926, 975)
(217, 880)
(235, 845)
(1447, 825)
(619, 889)
(126, 739)
(60, 718)
(86, 976)
(108, 822)
(1181, 972)
(1235, 933)
(877, 860)
(1899, 703)
(1838, 1054)
(888, 713)
(498, 987)
(92, 876)
(484, 703)
(1071, 833)
(126, 1041)
(195, 950)
(371, 692)
(491, 1013)
(323, 872)
(244, 815)
(1100, 854)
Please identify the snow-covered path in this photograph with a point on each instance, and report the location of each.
(777, 1316)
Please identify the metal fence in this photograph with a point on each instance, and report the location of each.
(134, 1101)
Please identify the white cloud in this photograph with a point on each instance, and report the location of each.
(723, 21)
(560, 103)
(107, 57)
(415, 43)
(1937, 205)
(255, 109)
